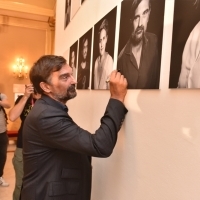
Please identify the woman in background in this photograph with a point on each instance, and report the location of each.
(4, 103)
(23, 106)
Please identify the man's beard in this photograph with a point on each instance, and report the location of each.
(70, 94)
(134, 36)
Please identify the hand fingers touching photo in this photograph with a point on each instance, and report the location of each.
(118, 85)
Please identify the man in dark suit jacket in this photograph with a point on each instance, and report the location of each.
(57, 152)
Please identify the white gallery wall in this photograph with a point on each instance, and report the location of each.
(157, 155)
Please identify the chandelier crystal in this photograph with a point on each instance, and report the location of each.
(20, 71)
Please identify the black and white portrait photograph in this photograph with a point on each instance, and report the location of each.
(103, 50)
(140, 42)
(75, 5)
(67, 13)
(66, 55)
(84, 57)
(73, 58)
(185, 54)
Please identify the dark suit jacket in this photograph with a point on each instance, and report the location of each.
(57, 152)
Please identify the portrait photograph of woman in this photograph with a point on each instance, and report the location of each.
(103, 50)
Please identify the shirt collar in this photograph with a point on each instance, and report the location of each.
(54, 103)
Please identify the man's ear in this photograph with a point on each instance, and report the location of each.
(45, 87)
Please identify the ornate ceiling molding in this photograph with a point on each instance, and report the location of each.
(25, 8)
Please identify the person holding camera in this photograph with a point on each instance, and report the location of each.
(23, 106)
(4, 103)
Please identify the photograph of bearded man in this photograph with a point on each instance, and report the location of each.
(139, 57)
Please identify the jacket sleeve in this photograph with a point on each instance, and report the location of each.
(58, 130)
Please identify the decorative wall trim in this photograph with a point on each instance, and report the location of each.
(25, 8)
(25, 23)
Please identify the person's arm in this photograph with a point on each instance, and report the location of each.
(4, 102)
(16, 111)
(58, 130)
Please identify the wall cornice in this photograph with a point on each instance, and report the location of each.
(25, 8)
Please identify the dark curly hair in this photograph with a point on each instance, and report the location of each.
(134, 6)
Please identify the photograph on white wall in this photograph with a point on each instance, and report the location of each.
(75, 5)
(103, 50)
(73, 58)
(67, 13)
(185, 53)
(84, 56)
(140, 42)
(66, 55)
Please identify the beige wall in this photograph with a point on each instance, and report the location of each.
(157, 156)
(20, 38)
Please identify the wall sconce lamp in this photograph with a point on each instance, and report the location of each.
(20, 71)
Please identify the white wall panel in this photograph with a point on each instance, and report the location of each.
(157, 156)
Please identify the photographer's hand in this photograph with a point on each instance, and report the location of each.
(16, 111)
(29, 89)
